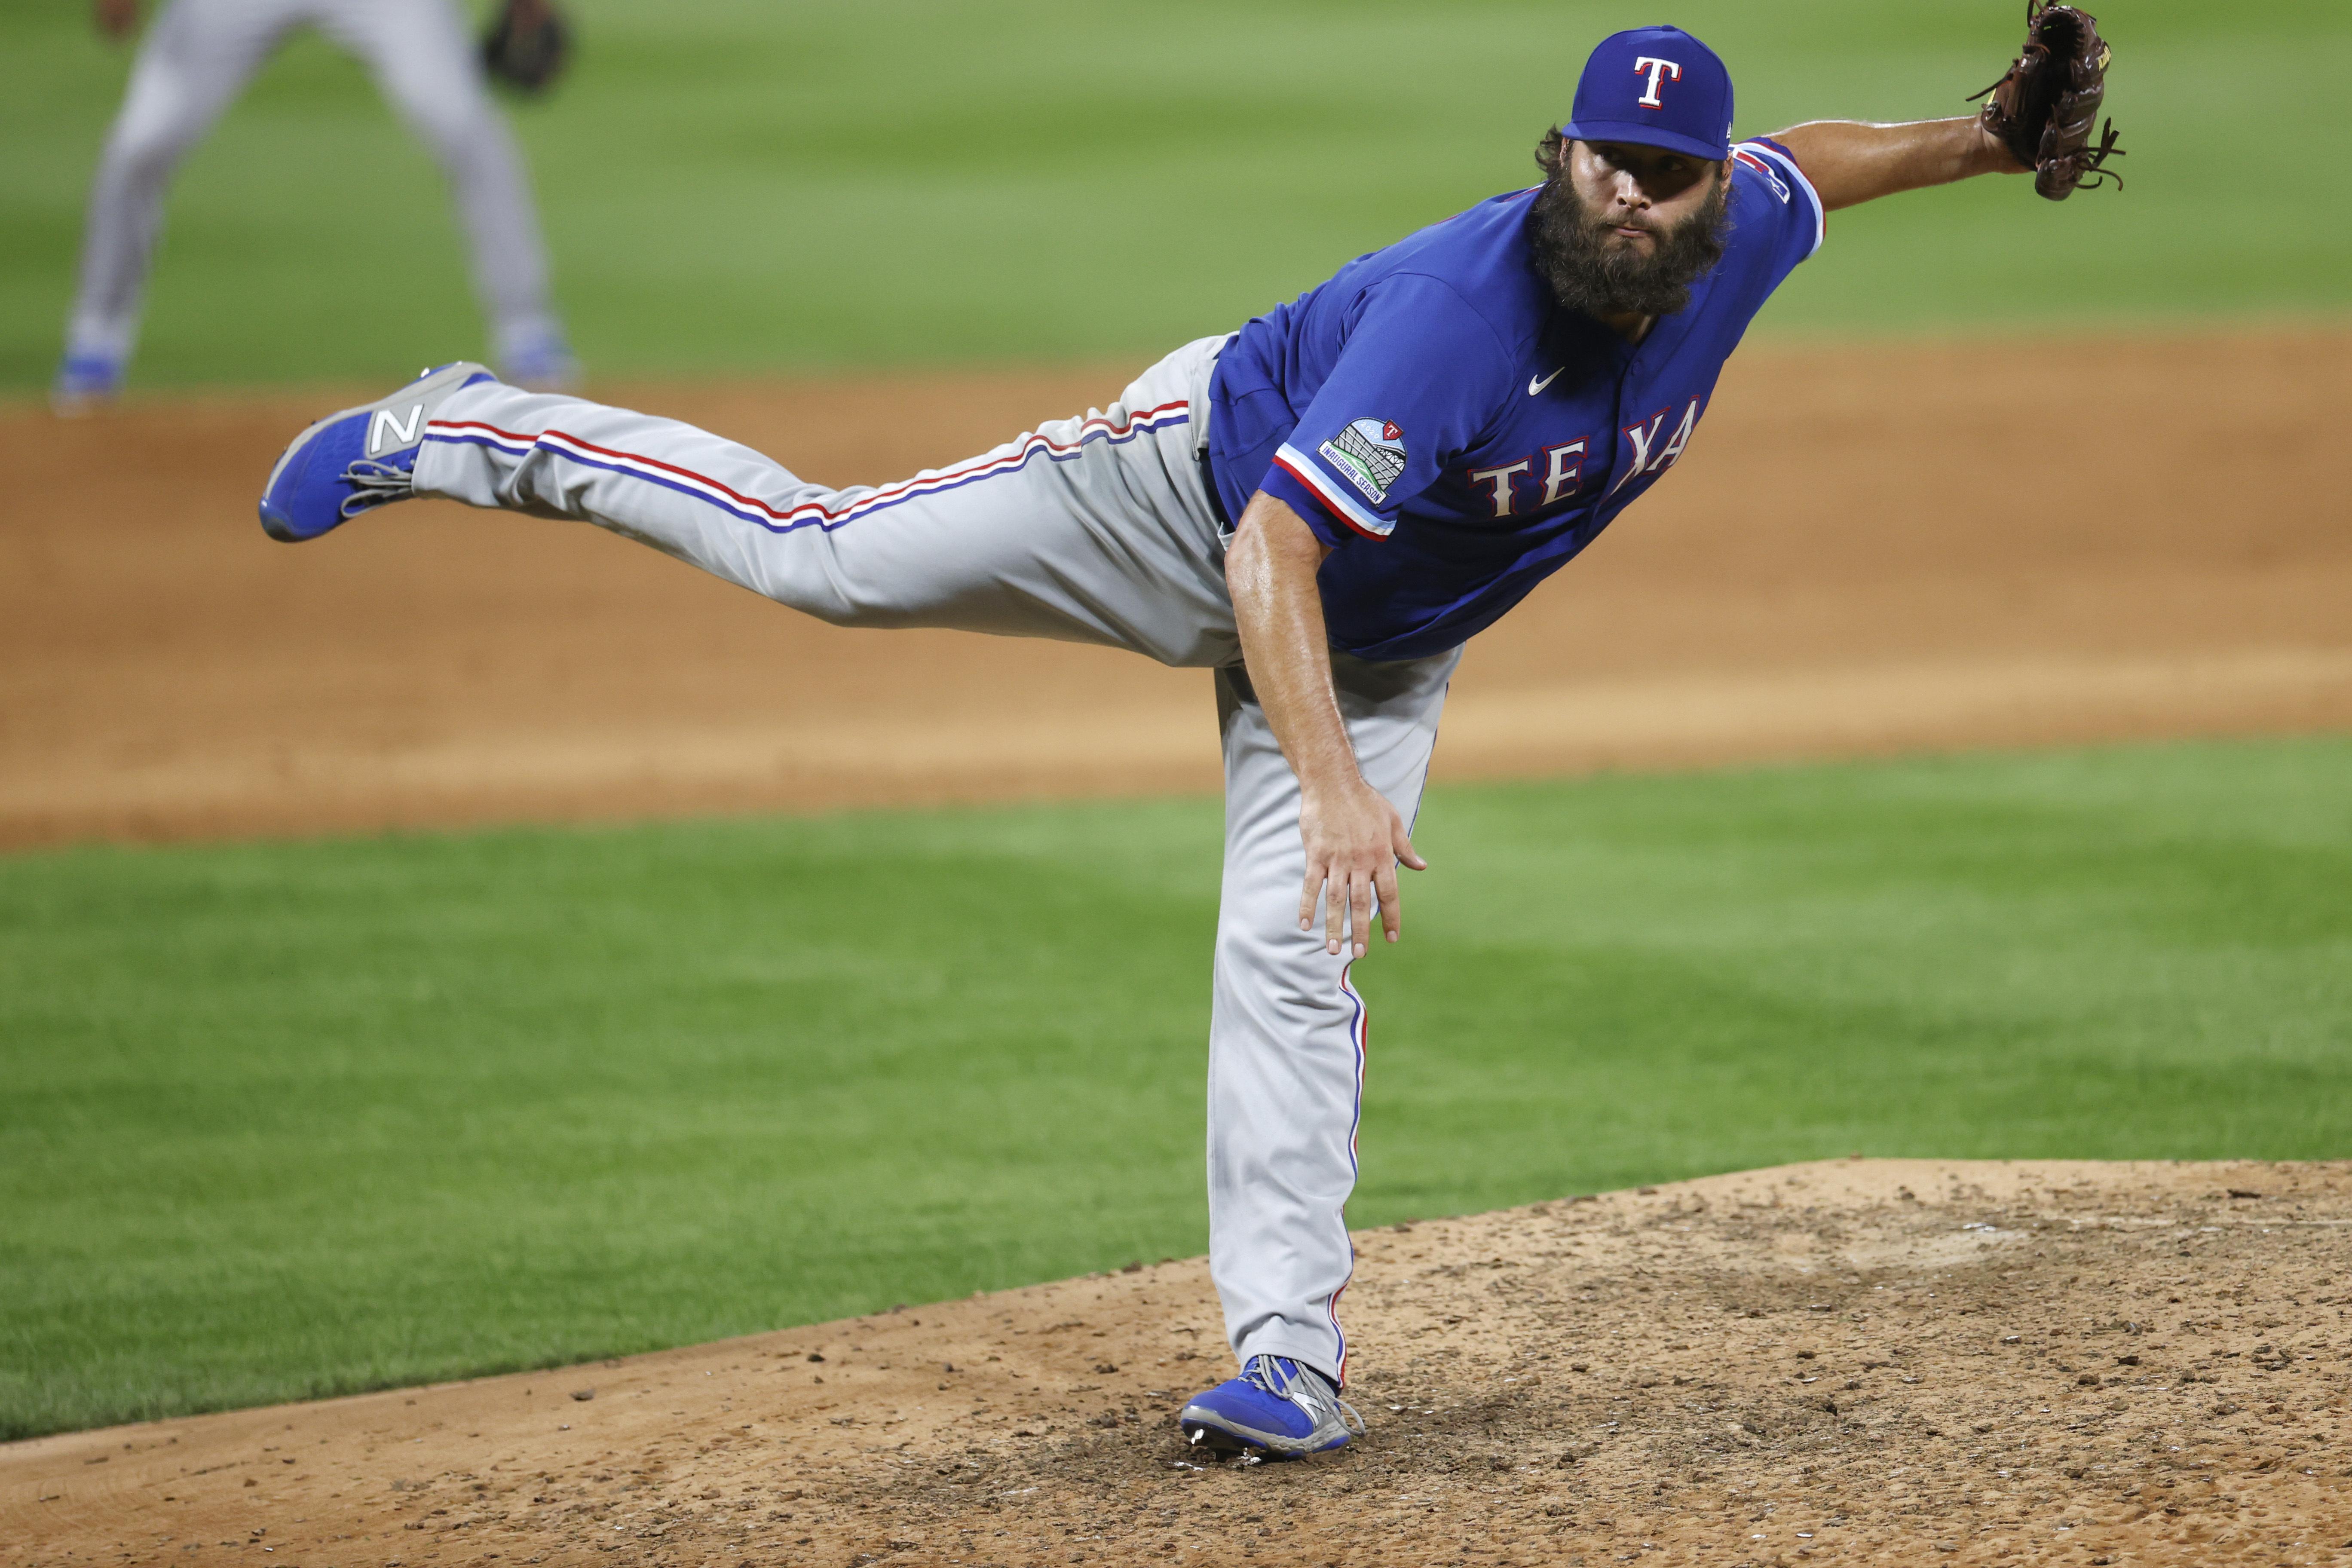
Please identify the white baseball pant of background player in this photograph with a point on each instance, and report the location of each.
(1096, 529)
(199, 54)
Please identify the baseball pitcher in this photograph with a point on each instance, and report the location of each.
(197, 56)
(1320, 509)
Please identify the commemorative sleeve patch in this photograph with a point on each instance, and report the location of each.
(1370, 453)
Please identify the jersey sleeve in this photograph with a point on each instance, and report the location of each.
(1409, 391)
(1774, 194)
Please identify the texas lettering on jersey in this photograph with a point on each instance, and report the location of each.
(1531, 486)
(1643, 440)
(1563, 470)
(1531, 426)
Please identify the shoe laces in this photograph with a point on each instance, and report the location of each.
(373, 484)
(1304, 1388)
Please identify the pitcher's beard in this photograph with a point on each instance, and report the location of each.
(1588, 273)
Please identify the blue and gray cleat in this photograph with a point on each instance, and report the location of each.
(87, 381)
(541, 362)
(359, 458)
(1276, 1409)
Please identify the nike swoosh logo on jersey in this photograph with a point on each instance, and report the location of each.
(1536, 384)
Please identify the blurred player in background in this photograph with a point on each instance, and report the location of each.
(198, 55)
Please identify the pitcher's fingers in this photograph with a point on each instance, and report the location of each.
(1335, 913)
(1384, 884)
(1359, 910)
(1404, 851)
(1307, 893)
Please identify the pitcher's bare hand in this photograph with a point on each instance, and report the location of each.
(1354, 840)
(115, 18)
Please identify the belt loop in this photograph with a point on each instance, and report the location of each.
(1217, 501)
(1201, 405)
(1202, 410)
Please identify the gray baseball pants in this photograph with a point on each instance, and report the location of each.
(1090, 529)
(197, 56)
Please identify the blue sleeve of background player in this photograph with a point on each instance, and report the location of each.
(1410, 390)
(1773, 194)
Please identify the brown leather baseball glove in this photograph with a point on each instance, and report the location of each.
(2043, 111)
(526, 44)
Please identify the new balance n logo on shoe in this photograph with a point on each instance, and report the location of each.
(387, 433)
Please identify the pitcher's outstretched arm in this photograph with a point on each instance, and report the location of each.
(1354, 838)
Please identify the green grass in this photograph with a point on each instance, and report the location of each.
(748, 185)
(294, 1119)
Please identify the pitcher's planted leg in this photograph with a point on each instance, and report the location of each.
(1287, 1050)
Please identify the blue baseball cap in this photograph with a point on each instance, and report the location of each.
(1657, 87)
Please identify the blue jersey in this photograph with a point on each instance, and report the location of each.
(1455, 434)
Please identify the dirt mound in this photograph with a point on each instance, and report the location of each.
(1865, 1361)
(1868, 548)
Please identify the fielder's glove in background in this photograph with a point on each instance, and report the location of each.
(526, 44)
(2043, 111)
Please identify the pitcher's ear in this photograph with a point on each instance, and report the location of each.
(1552, 151)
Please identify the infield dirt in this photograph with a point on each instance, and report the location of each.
(1898, 1362)
(1867, 550)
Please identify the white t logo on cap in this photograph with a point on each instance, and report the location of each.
(1649, 98)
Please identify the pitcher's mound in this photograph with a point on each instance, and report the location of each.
(1915, 1362)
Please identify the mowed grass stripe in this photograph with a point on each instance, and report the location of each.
(297, 1119)
(739, 188)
